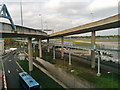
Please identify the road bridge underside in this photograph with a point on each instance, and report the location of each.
(86, 30)
(7, 31)
(14, 35)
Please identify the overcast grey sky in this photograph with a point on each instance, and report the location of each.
(62, 14)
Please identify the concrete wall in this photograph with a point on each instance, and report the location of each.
(1, 47)
(66, 77)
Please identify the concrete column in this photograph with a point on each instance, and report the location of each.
(40, 48)
(30, 55)
(69, 56)
(93, 52)
(62, 46)
(48, 50)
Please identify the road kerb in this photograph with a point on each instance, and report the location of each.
(4, 79)
(20, 67)
(51, 76)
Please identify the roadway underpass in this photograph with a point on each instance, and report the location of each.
(11, 71)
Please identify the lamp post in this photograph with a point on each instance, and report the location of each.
(91, 16)
(72, 71)
(112, 77)
(21, 13)
(41, 22)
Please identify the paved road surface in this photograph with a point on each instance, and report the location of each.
(11, 70)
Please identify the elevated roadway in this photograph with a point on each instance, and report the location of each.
(103, 24)
(7, 31)
(107, 23)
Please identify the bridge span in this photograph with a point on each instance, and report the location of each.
(108, 23)
(7, 31)
(103, 24)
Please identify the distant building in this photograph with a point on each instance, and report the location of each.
(21, 56)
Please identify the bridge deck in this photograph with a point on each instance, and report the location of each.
(107, 23)
(7, 31)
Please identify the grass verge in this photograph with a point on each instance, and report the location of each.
(83, 70)
(39, 76)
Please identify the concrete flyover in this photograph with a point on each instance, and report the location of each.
(103, 24)
(107, 23)
(7, 31)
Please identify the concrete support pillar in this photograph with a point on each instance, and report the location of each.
(30, 55)
(62, 46)
(93, 52)
(48, 50)
(53, 52)
(40, 48)
(69, 56)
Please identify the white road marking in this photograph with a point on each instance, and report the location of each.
(8, 71)
(17, 70)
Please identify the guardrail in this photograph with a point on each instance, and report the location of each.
(4, 79)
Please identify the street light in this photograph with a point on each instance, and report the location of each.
(41, 22)
(21, 13)
(72, 71)
(91, 16)
(112, 77)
